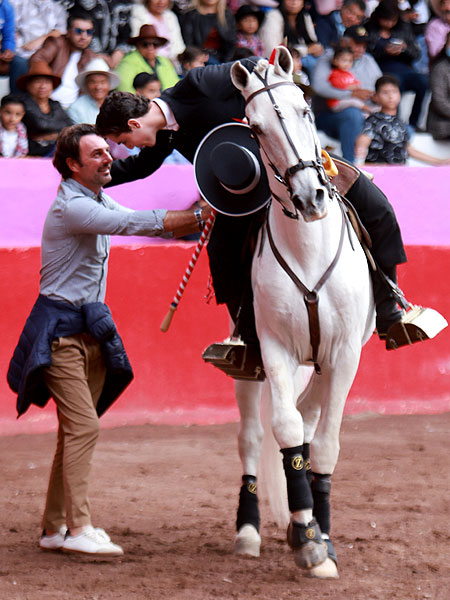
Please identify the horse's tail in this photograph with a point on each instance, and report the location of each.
(272, 477)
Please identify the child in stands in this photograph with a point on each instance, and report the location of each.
(147, 85)
(13, 133)
(385, 137)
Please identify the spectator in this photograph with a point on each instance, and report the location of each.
(111, 19)
(385, 137)
(300, 76)
(438, 28)
(36, 20)
(343, 79)
(95, 82)
(192, 57)
(248, 21)
(13, 133)
(438, 123)
(44, 118)
(7, 33)
(165, 21)
(330, 28)
(147, 85)
(417, 13)
(392, 43)
(68, 55)
(347, 124)
(146, 59)
(292, 21)
(211, 26)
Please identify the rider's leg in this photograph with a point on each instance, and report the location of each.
(387, 308)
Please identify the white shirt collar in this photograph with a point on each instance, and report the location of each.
(171, 122)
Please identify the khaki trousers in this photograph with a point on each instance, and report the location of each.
(75, 380)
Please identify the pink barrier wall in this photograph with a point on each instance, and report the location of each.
(172, 384)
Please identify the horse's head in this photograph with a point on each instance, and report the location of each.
(281, 120)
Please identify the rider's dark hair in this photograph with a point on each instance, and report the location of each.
(117, 109)
(68, 146)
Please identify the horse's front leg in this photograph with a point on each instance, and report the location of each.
(248, 540)
(303, 535)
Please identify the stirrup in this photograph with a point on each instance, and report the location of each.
(236, 359)
(416, 325)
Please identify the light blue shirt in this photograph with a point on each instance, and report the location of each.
(75, 241)
(84, 110)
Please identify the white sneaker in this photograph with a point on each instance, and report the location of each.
(54, 541)
(92, 541)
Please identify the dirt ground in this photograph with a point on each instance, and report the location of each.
(168, 495)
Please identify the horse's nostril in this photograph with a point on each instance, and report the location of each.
(320, 196)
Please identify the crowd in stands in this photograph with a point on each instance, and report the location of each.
(353, 59)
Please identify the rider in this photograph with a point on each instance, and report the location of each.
(179, 120)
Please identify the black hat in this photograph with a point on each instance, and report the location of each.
(357, 33)
(229, 171)
(249, 11)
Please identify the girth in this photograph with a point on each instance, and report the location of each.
(311, 297)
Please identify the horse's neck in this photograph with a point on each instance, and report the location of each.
(312, 245)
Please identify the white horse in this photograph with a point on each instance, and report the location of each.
(306, 227)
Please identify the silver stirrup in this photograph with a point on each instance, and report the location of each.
(416, 325)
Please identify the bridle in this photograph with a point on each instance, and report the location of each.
(300, 164)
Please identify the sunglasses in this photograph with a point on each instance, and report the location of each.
(79, 31)
(149, 44)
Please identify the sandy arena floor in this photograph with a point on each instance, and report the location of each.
(168, 495)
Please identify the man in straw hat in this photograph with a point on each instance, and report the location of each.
(70, 349)
(145, 59)
(68, 55)
(180, 119)
(95, 83)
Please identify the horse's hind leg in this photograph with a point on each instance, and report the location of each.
(248, 540)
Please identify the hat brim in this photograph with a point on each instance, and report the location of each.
(80, 79)
(160, 41)
(23, 81)
(210, 188)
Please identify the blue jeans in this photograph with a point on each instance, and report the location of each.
(345, 125)
(17, 67)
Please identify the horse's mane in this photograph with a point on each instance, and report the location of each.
(262, 66)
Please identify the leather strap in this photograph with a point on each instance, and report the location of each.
(311, 297)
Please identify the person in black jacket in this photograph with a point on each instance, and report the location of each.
(70, 349)
(180, 119)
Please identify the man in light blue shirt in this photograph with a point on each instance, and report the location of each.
(70, 349)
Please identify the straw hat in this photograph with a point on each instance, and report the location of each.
(97, 66)
(148, 33)
(37, 69)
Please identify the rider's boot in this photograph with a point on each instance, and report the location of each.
(402, 327)
(387, 308)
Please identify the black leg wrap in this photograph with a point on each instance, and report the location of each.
(298, 489)
(248, 510)
(306, 455)
(321, 488)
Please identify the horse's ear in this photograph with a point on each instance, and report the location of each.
(283, 63)
(239, 75)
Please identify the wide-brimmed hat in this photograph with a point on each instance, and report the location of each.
(97, 66)
(249, 11)
(37, 69)
(357, 33)
(148, 32)
(229, 171)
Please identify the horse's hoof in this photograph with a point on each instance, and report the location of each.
(327, 570)
(306, 542)
(247, 541)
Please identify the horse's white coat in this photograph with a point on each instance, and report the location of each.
(308, 245)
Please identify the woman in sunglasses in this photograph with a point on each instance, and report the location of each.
(68, 55)
(146, 59)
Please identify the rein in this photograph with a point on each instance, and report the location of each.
(311, 297)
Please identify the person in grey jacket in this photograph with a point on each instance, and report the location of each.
(347, 124)
(70, 349)
(438, 122)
